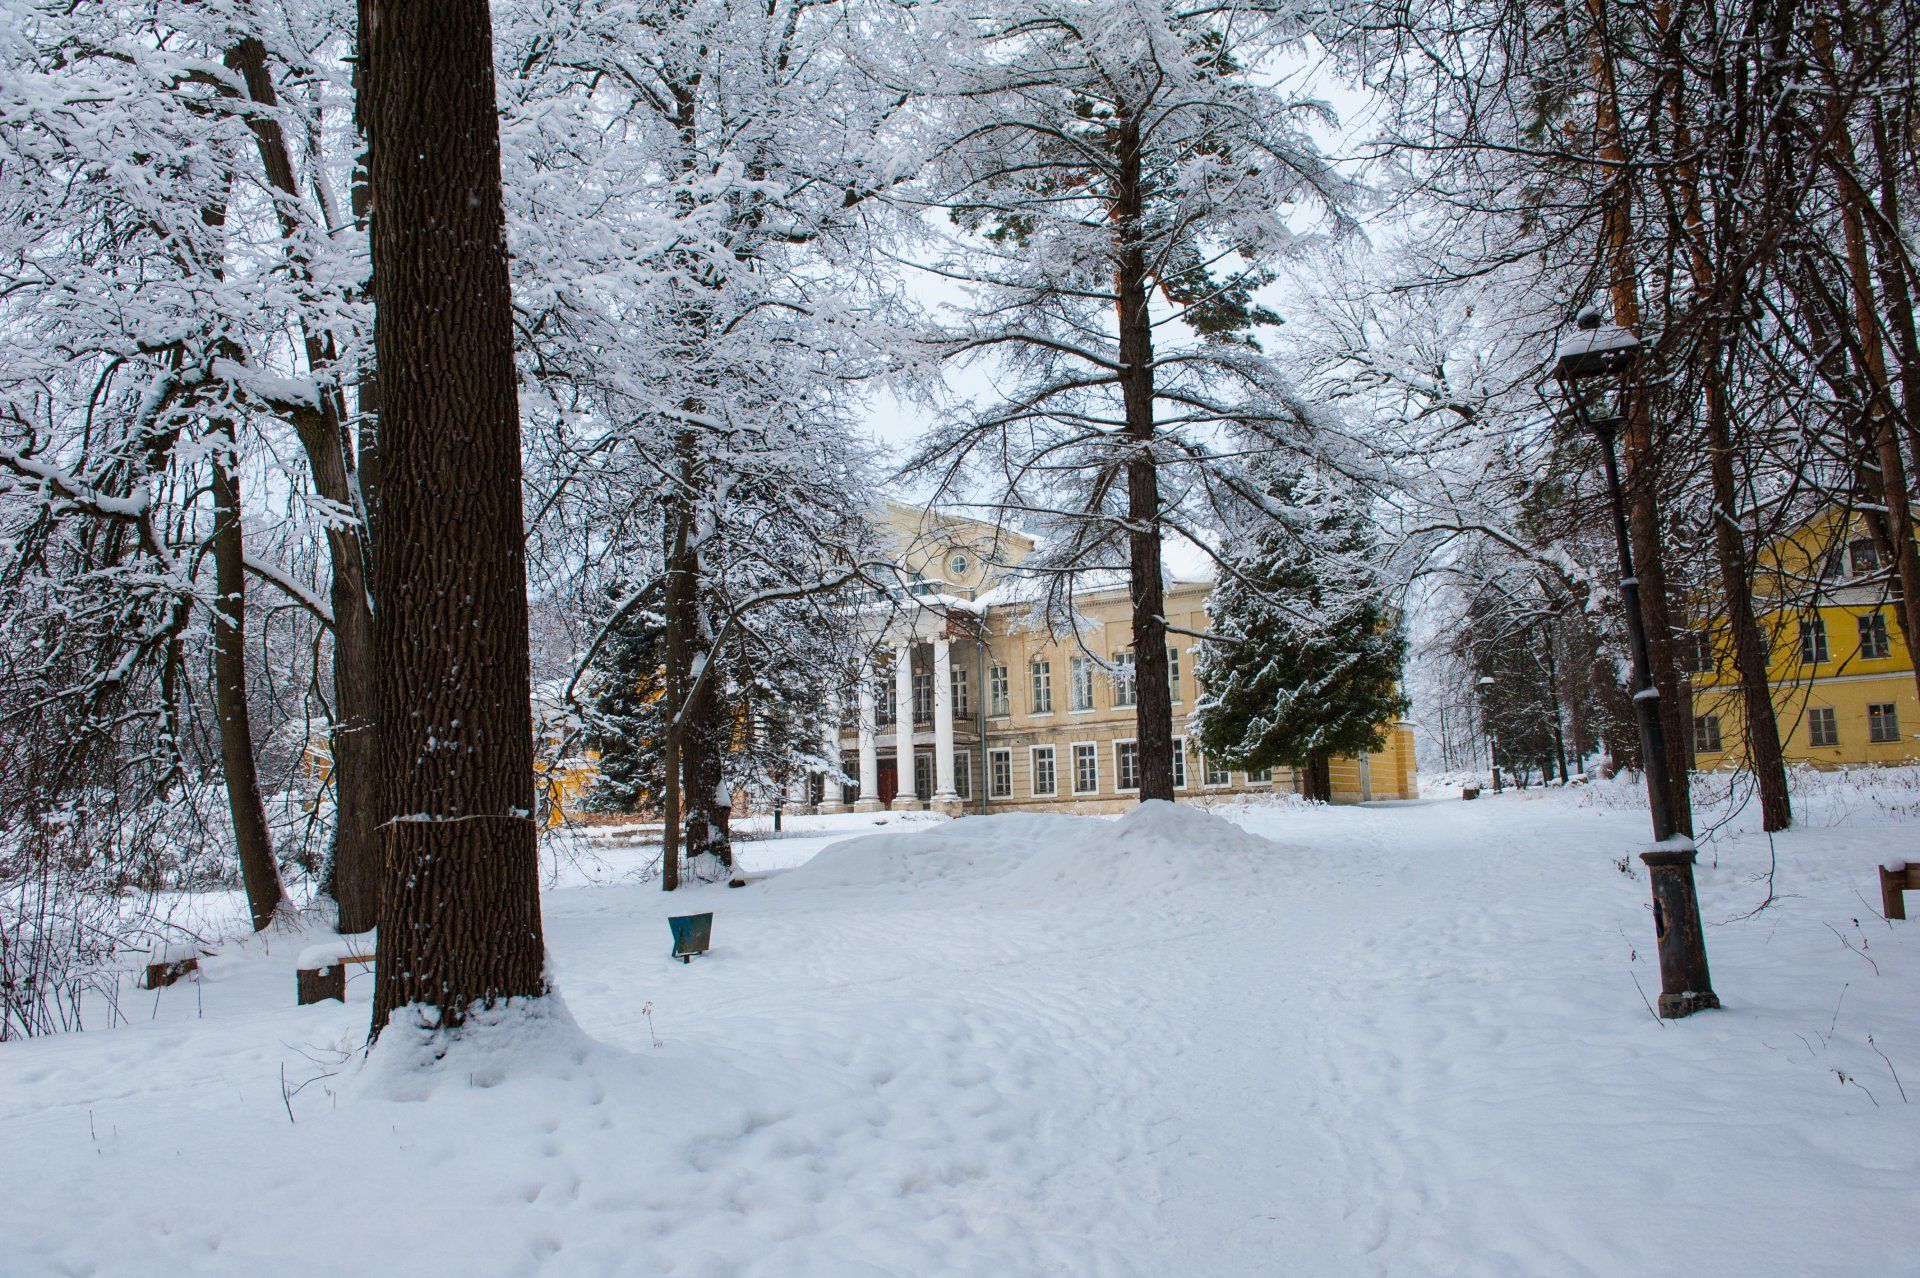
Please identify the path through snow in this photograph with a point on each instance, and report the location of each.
(1402, 1040)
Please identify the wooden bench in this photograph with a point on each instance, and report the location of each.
(315, 980)
(1896, 879)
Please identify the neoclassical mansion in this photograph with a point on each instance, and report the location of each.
(974, 709)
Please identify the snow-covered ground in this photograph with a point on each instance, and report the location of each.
(1401, 1040)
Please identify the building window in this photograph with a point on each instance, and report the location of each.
(923, 698)
(922, 775)
(963, 773)
(1179, 760)
(1706, 734)
(999, 774)
(1823, 726)
(883, 702)
(958, 566)
(1212, 775)
(1126, 765)
(1883, 722)
(1873, 635)
(1696, 651)
(1045, 783)
(1863, 556)
(1086, 768)
(1124, 686)
(962, 703)
(1263, 777)
(1813, 641)
(1173, 673)
(999, 699)
(1042, 671)
(1080, 681)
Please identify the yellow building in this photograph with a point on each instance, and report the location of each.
(1839, 673)
(1004, 716)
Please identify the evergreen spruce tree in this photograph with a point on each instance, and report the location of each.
(1305, 662)
(624, 717)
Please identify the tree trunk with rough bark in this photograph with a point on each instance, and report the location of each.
(460, 916)
(253, 842)
(1642, 459)
(1153, 700)
(353, 873)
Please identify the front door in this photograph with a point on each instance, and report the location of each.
(889, 780)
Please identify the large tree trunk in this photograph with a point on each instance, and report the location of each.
(1643, 516)
(1153, 699)
(460, 915)
(1713, 353)
(259, 872)
(353, 873)
(679, 620)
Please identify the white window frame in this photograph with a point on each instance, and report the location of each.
(1706, 725)
(1073, 756)
(1876, 733)
(1173, 674)
(993, 791)
(1832, 720)
(1126, 676)
(960, 692)
(1033, 772)
(1814, 649)
(998, 672)
(923, 696)
(963, 774)
(1079, 680)
(1874, 625)
(1120, 773)
(1179, 763)
(1039, 678)
(1206, 768)
(1254, 778)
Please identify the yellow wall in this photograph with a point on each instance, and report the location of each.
(1847, 682)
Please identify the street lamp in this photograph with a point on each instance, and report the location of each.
(1594, 365)
(1493, 742)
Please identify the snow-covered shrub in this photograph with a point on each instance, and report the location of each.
(62, 925)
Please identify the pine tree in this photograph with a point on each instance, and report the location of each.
(1306, 654)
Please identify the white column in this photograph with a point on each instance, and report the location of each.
(869, 800)
(945, 797)
(906, 800)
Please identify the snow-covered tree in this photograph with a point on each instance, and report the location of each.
(700, 305)
(1123, 177)
(1304, 659)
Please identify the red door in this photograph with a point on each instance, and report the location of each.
(889, 780)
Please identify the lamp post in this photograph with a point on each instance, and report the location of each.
(1493, 742)
(1593, 366)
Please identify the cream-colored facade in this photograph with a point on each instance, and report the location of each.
(1001, 716)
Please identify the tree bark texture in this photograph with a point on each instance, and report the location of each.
(1642, 457)
(460, 914)
(253, 842)
(1153, 699)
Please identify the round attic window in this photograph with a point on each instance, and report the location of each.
(958, 565)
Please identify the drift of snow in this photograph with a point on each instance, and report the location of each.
(1273, 1038)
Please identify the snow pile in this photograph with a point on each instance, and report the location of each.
(1155, 848)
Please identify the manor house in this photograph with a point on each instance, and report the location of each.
(972, 707)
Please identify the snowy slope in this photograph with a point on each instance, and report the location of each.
(1402, 1040)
